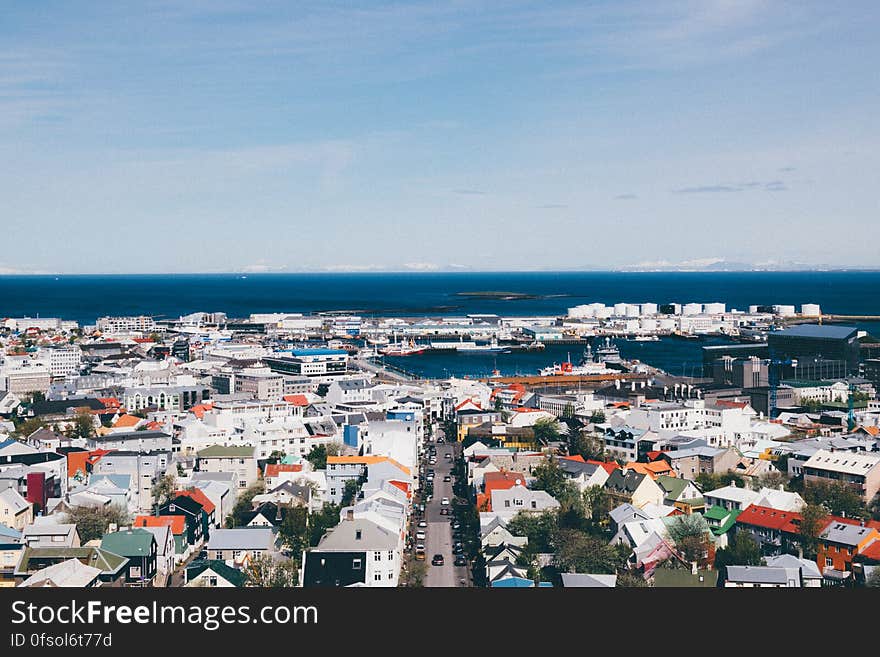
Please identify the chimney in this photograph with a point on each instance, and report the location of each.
(694, 568)
(349, 514)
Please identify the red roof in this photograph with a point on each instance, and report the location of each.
(872, 551)
(466, 402)
(142, 340)
(177, 523)
(610, 466)
(273, 469)
(873, 524)
(110, 402)
(199, 497)
(199, 409)
(730, 404)
(153, 426)
(297, 400)
(402, 485)
(764, 516)
(576, 457)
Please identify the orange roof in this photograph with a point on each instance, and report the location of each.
(466, 402)
(523, 409)
(402, 485)
(153, 426)
(609, 466)
(273, 469)
(576, 457)
(199, 409)
(502, 480)
(110, 402)
(730, 404)
(872, 551)
(366, 460)
(653, 469)
(297, 400)
(199, 497)
(177, 523)
(78, 461)
(126, 421)
(873, 431)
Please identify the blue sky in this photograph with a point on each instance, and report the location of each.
(346, 136)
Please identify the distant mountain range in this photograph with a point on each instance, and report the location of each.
(720, 264)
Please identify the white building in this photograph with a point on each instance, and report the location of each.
(62, 360)
(126, 325)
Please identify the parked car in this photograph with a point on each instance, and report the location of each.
(458, 549)
(445, 501)
(420, 556)
(456, 524)
(420, 536)
(444, 511)
(447, 478)
(422, 524)
(460, 560)
(437, 560)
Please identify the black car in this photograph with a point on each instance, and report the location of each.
(444, 511)
(458, 549)
(460, 560)
(447, 478)
(456, 524)
(437, 560)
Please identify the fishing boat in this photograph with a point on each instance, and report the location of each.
(403, 349)
(646, 338)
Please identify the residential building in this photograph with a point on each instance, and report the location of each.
(859, 471)
(140, 548)
(238, 460)
(236, 547)
(357, 552)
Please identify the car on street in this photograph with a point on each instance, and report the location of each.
(456, 524)
(422, 524)
(445, 501)
(460, 560)
(458, 549)
(420, 536)
(420, 547)
(437, 560)
(447, 478)
(420, 556)
(444, 511)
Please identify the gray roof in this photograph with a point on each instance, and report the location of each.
(71, 573)
(628, 482)
(353, 384)
(344, 537)
(627, 512)
(48, 529)
(583, 580)
(817, 331)
(846, 534)
(757, 574)
(131, 435)
(809, 569)
(242, 538)
(576, 468)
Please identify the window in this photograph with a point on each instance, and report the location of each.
(377, 577)
(377, 556)
(534, 504)
(355, 564)
(391, 556)
(507, 503)
(218, 555)
(357, 534)
(212, 581)
(828, 562)
(332, 491)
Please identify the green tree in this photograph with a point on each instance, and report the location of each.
(537, 528)
(83, 425)
(265, 571)
(742, 550)
(294, 530)
(837, 497)
(690, 537)
(630, 580)
(586, 445)
(598, 417)
(27, 427)
(551, 478)
(352, 486)
(243, 504)
(413, 574)
(319, 453)
(164, 488)
(771, 479)
(546, 430)
(813, 520)
(576, 552)
(597, 503)
(321, 521)
(93, 522)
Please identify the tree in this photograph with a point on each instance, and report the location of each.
(771, 479)
(546, 430)
(319, 453)
(597, 503)
(265, 571)
(244, 504)
(499, 405)
(742, 550)
(294, 530)
(710, 481)
(413, 574)
(598, 417)
(30, 425)
(92, 522)
(537, 528)
(350, 491)
(276, 456)
(837, 497)
(873, 580)
(813, 521)
(586, 445)
(630, 580)
(690, 537)
(83, 425)
(551, 478)
(321, 521)
(576, 552)
(164, 488)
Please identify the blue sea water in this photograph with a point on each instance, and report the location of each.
(85, 298)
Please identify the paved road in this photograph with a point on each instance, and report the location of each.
(439, 533)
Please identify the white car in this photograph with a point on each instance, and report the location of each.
(444, 501)
(420, 536)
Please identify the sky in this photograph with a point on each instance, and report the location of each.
(226, 135)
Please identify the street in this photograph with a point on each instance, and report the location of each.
(439, 532)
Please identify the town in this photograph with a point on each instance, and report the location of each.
(285, 450)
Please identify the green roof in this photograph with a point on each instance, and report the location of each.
(231, 575)
(106, 561)
(665, 577)
(135, 542)
(724, 517)
(672, 486)
(219, 451)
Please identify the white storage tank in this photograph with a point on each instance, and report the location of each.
(631, 325)
(620, 309)
(649, 309)
(580, 311)
(604, 312)
(811, 310)
(692, 309)
(785, 311)
(633, 310)
(753, 310)
(715, 308)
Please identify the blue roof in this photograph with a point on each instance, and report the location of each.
(517, 583)
(817, 331)
(9, 532)
(318, 352)
(7, 442)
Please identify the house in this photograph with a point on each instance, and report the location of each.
(653, 469)
(693, 461)
(624, 513)
(501, 562)
(510, 581)
(11, 547)
(287, 493)
(49, 534)
(134, 441)
(65, 574)
(492, 481)
(238, 460)
(506, 503)
(672, 574)
(15, 511)
(634, 488)
(358, 551)
(214, 574)
(139, 547)
(775, 531)
(207, 505)
(144, 469)
(34, 559)
(341, 469)
(839, 543)
(730, 497)
(676, 489)
(165, 553)
(467, 418)
(720, 521)
(762, 577)
(495, 532)
(176, 526)
(588, 581)
(860, 471)
(198, 528)
(238, 546)
(267, 514)
(810, 575)
(584, 475)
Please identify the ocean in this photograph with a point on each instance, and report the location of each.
(84, 298)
